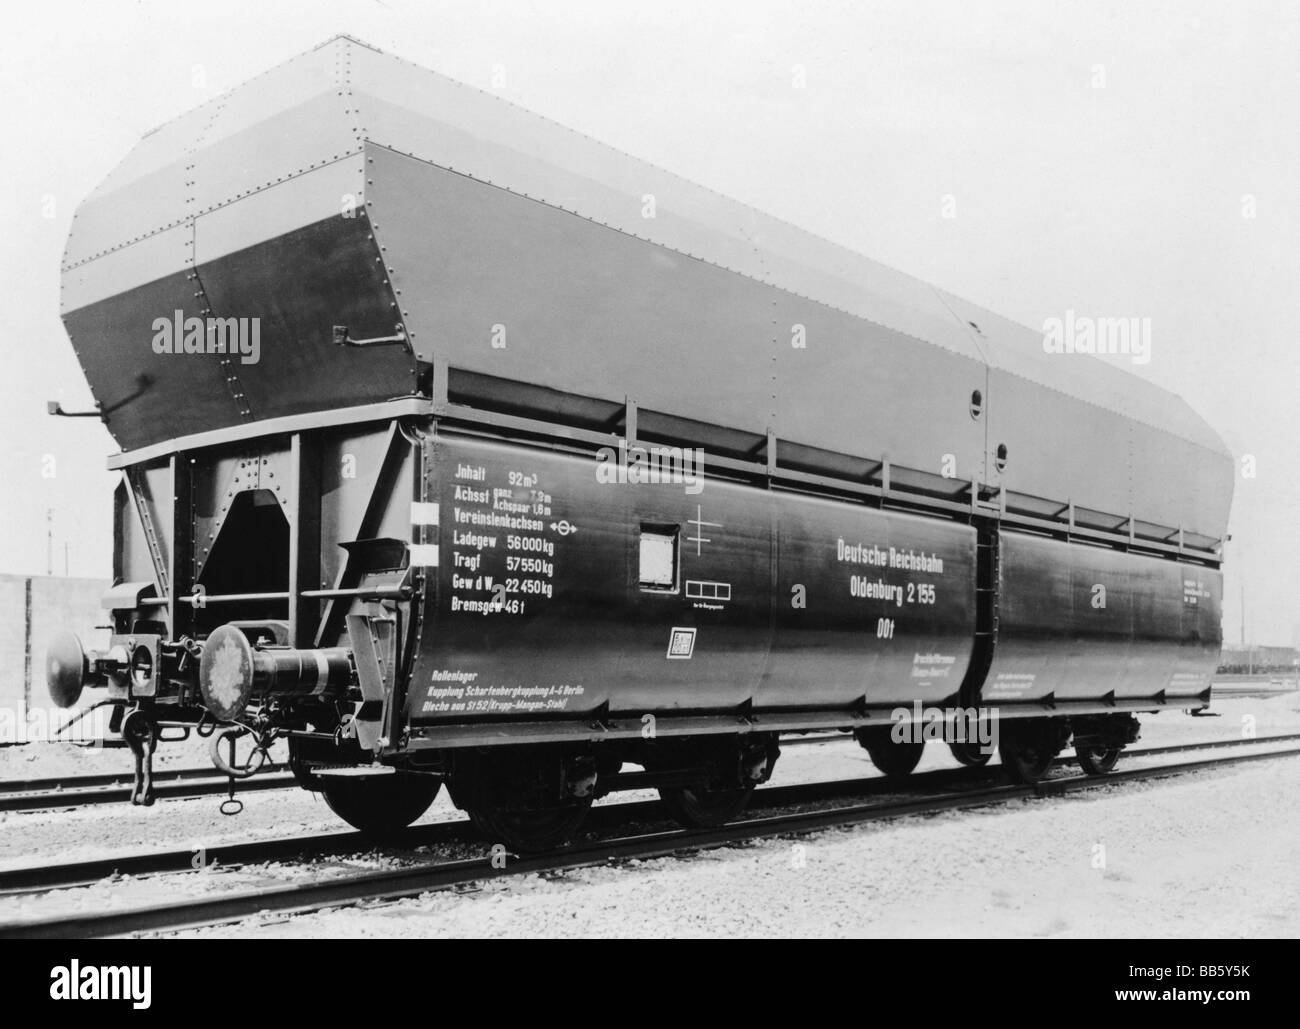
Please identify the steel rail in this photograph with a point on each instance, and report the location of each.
(395, 884)
(83, 791)
(87, 791)
(64, 875)
(84, 873)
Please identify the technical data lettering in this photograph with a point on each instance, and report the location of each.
(502, 545)
(919, 590)
(459, 693)
(1010, 685)
(931, 666)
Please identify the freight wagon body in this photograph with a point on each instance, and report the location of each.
(458, 444)
(647, 598)
(559, 593)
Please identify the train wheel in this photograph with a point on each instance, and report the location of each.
(970, 753)
(893, 758)
(704, 808)
(379, 803)
(1025, 754)
(1097, 760)
(531, 831)
(528, 799)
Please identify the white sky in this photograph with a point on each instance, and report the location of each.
(1125, 200)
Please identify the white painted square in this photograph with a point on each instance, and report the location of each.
(424, 555)
(658, 561)
(423, 513)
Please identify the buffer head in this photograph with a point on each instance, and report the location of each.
(66, 668)
(226, 673)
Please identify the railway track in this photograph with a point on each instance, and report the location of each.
(75, 791)
(602, 818)
(88, 790)
(928, 793)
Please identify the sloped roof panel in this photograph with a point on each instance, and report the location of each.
(280, 131)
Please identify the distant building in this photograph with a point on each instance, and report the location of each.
(1236, 660)
(38, 605)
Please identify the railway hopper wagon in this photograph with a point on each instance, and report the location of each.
(459, 449)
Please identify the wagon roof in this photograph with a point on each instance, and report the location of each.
(173, 202)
